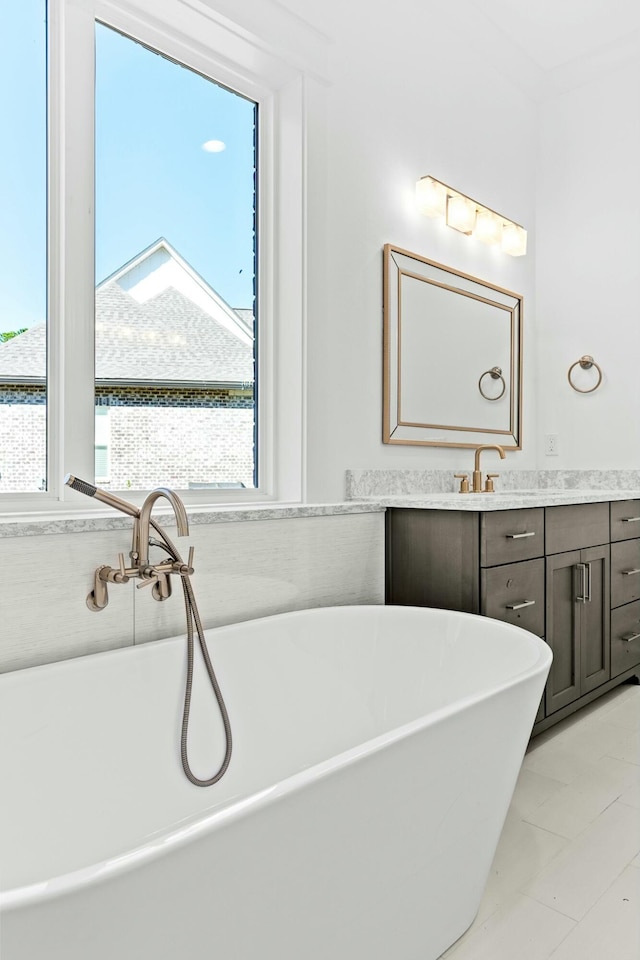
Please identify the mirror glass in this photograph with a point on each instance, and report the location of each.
(452, 356)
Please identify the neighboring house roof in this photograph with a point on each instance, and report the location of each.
(157, 321)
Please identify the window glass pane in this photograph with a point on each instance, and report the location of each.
(23, 253)
(175, 265)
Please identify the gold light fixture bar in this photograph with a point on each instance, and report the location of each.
(437, 199)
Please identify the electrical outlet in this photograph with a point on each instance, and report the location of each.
(551, 445)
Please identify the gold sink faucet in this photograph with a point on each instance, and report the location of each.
(477, 473)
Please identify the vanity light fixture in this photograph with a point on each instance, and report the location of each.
(514, 239)
(436, 199)
(431, 197)
(489, 227)
(461, 214)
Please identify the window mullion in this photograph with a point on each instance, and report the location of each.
(72, 282)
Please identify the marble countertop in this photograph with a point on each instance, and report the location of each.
(500, 500)
(39, 524)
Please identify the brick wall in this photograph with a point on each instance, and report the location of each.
(23, 432)
(157, 437)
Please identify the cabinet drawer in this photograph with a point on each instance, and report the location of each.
(574, 526)
(510, 535)
(625, 519)
(515, 593)
(625, 622)
(625, 572)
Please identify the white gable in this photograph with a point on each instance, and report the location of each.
(159, 268)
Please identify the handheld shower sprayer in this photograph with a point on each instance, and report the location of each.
(110, 499)
(158, 576)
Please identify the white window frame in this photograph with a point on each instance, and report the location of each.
(195, 34)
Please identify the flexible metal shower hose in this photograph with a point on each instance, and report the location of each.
(192, 615)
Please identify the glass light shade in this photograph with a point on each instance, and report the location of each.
(461, 214)
(431, 197)
(488, 227)
(514, 240)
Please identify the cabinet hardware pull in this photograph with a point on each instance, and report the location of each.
(630, 519)
(630, 573)
(519, 606)
(588, 579)
(519, 536)
(582, 567)
(628, 637)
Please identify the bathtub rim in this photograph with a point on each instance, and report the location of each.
(177, 836)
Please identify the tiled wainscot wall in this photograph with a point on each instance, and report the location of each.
(243, 569)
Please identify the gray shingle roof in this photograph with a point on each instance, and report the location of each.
(23, 357)
(166, 338)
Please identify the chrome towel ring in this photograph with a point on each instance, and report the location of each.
(496, 374)
(586, 363)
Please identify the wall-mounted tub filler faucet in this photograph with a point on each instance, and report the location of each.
(154, 575)
(476, 486)
(157, 576)
(144, 520)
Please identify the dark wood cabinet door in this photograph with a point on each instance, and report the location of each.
(507, 536)
(575, 526)
(625, 572)
(625, 519)
(515, 593)
(563, 629)
(432, 559)
(625, 638)
(595, 621)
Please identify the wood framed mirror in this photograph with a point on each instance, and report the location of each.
(452, 356)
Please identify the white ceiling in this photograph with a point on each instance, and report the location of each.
(546, 47)
(553, 33)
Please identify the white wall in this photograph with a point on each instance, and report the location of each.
(409, 95)
(588, 270)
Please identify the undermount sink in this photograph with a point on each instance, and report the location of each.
(531, 493)
(547, 495)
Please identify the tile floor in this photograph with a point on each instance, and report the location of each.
(565, 882)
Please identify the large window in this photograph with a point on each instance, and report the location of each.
(131, 195)
(23, 236)
(175, 262)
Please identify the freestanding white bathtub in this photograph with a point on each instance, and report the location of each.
(375, 754)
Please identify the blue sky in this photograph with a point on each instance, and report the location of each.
(152, 176)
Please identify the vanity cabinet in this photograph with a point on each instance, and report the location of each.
(568, 573)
